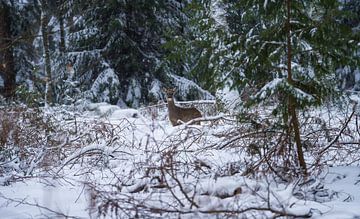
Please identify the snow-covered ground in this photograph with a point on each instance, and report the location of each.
(129, 163)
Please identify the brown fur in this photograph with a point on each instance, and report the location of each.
(179, 113)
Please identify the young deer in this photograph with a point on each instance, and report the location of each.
(179, 114)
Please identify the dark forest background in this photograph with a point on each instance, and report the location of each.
(124, 51)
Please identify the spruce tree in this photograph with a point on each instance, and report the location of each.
(194, 47)
(122, 37)
(287, 51)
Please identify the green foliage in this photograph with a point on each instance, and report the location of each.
(189, 50)
(30, 97)
(254, 51)
(127, 35)
(214, 43)
(193, 94)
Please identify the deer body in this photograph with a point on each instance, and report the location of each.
(179, 113)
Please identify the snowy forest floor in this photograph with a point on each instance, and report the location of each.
(102, 161)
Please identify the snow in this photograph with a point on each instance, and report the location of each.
(184, 85)
(102, 109)
(217, 13)
(346, 181)
(105, 87)
(156, 89)
(125, 113)
(49, 193)
(270, 87)
(229, 97)
(73, 198)
(281, 83)
(134, 93)
(265, 4)
(123, 158)
(357, 75)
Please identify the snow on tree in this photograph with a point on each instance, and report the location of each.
(106, 87)
(282, 50)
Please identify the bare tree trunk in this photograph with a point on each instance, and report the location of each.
(292, 104)
(7, 68)
(45, 36)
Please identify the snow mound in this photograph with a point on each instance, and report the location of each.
(112, 111)
(102, 109)
(125, 113)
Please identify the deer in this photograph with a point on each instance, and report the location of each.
(179, 115)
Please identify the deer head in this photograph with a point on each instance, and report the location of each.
(169, 93)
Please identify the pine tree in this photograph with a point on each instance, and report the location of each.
(287, 51)
(122, 37)
(195, 44)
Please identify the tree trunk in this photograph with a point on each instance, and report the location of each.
(60, 16)
(292, 103)
(45, 36)
(62, 35)
(7, 68)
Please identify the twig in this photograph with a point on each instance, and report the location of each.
(180, 186)
(23, 202)
(269, 209)
(210, 119)
(340, 132)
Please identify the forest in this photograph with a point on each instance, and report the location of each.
(179, 109)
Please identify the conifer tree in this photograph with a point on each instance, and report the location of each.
(195, 46)
(122, 37)
(288, 51)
